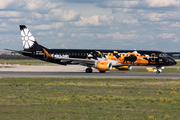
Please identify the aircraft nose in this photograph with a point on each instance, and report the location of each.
(174, 62)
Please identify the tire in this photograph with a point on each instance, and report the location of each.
(102, 71)
(88, 70)
(157, 71)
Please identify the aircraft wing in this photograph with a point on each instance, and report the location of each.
(76, 60)
(72, 60)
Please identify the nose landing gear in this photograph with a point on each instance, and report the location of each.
(158, 69)
(158, 72)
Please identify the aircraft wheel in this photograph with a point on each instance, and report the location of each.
(157, 71)
(102, 71)
(158, 67)
(89, 70)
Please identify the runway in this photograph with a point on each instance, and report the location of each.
(87, 75)
(74, 71)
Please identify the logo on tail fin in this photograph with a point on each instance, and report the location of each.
(27, 38)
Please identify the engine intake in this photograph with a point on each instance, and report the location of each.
(103, 66)
(124, 68)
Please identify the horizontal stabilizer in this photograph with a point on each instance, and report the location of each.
(18, 51)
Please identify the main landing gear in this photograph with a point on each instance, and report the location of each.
(102, 71)
(89, 70)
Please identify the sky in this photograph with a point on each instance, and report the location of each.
(93, 24)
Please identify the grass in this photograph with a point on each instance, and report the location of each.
(89, 98)
(178, 64)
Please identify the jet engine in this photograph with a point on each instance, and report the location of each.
(103, 66)
(124, 68)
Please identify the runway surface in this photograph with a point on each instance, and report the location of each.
(94, 75)
(75, 71)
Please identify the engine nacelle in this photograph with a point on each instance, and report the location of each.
(124, 68)
(103, 66)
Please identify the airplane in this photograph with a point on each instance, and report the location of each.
(102, 60)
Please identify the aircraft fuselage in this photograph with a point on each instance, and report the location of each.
(123, 57)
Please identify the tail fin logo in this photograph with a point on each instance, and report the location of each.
(27, 38)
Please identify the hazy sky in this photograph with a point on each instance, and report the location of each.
(93, 24)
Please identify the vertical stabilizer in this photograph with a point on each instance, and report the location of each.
(29, 42)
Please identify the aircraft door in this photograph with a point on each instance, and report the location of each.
(153, 56)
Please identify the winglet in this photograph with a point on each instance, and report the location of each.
(47, 53)
(98, 52)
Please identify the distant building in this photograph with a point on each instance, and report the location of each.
(5, 53)
(175, 55)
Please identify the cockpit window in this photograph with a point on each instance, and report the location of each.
(163, 55)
